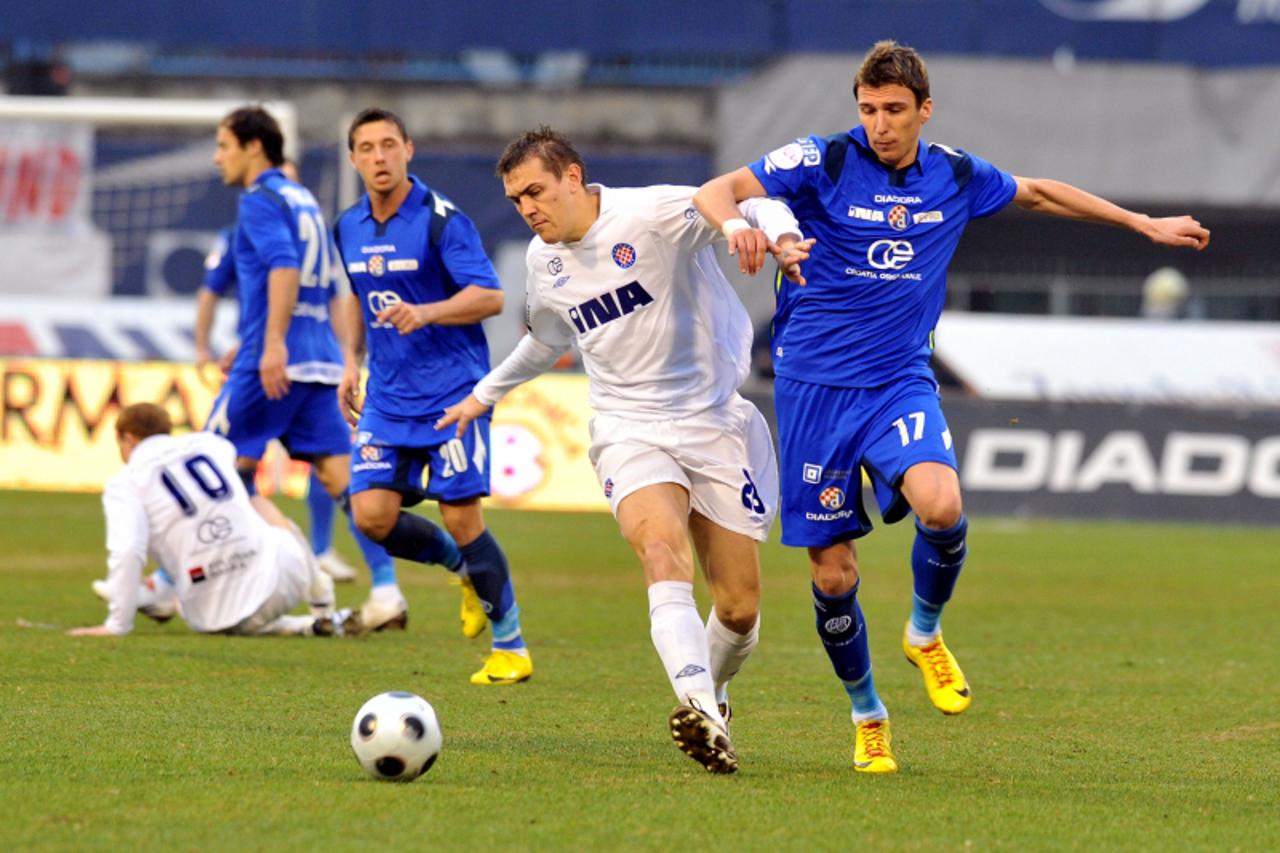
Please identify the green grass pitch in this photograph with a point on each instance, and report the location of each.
(1125, 696)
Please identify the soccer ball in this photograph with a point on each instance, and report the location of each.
(396, 736)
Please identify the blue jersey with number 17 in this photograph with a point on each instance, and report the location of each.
(877, 276)
(280, 227)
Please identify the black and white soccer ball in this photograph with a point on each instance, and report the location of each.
(396, 736)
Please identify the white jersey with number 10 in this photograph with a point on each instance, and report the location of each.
(180, 501)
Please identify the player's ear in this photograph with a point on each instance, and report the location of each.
(574, 173)
(408, 150)
(926, 110)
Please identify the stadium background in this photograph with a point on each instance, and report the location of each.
(1124, 672)
(1160, 106)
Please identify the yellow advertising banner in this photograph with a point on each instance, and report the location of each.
(57, 431)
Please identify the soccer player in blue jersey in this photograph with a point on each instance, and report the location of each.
(422, 283)
(851, 347)
(280, 384)
(219, 278)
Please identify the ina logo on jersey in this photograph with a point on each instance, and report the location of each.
(609, 306)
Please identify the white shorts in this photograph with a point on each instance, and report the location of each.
(293, 580)
(723, 457)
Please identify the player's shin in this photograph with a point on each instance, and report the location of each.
(728, 651)
(936, 560)
(382, 567)
(681, 640)
(321, 508)
(844, 636)
(415, 538)
(490, 574)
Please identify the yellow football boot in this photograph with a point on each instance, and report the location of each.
(504, 667)
(473, 616)
(943, 680)
(871, 748)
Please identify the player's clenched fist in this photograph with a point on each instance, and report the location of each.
(405, 317)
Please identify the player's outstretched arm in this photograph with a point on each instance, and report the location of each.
(530, 359)
(127, 540)
(1061, 199)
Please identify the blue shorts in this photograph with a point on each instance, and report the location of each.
(456, 468)
(307, 420)
(828, 435)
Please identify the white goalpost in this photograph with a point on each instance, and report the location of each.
(149, 112)
(98, 194)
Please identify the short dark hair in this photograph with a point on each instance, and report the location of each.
(889, 63)
(143, 420)
(555, 149)
(369, 116)
(250, 123)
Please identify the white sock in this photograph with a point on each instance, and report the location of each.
(916, 638)
(319, 590)
(728, 652)
(681, 641)
(387, 593)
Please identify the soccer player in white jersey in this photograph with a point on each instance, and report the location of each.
(238, 564)
(631, 276)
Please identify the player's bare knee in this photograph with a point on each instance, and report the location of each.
(941, 513)
(374, 523)
(834, 572)
(464, 521)
(739, 615)
(334, 473)
(661, 562)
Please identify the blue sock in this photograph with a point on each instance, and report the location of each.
(844, 635)
(322, 507)
(382, 568)
(491, 576)
(936, 560)
(415, 538)
(866, 704)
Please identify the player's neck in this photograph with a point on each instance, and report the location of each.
(590, 213)
(254, 171)
(383, 206)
